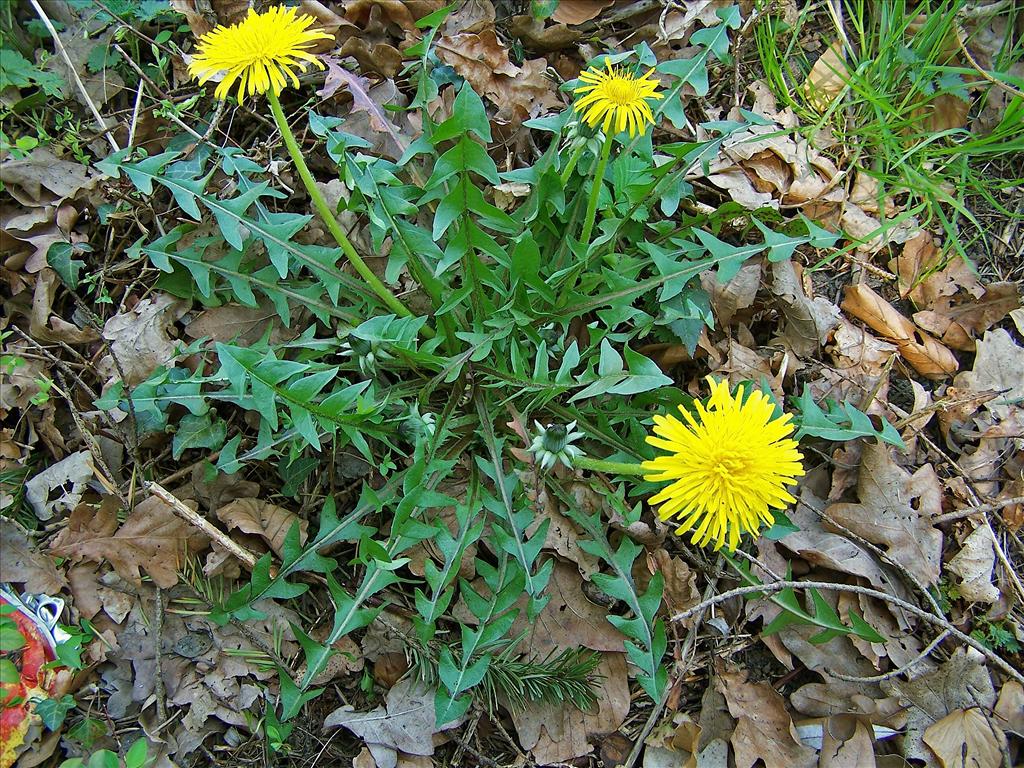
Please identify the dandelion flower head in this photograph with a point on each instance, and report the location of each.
(729, 464)
(259, 53)
(618, 97)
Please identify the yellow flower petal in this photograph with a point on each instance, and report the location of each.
(257, 53)
(617, 97)
(729, 465)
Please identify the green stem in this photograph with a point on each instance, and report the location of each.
(571, 165)
(329, 219)
(612, 467)
(595, 191)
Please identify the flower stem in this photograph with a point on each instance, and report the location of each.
(595, 190)
(329, 219)
(612, 467)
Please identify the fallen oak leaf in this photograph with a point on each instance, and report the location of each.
(152, 538)
(928, 356)
(764, 730)
(24, 564)
(405, 724)
(518, 91)
(895, 510)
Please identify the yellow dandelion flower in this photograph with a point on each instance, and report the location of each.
(259, 52)
(730, 463)
(617, 96)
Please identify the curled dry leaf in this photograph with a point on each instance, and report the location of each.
(269, 521)
(928, 356)
(44, 324)
(959, 325)
(540, 38)
(973, 564)
(827, 77)
(735, 294)
(519, 92)
(808, 321)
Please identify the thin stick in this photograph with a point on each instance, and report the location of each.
(979, 509)
(899, 670)
(931, 618)
(74, 73)
(191, 516)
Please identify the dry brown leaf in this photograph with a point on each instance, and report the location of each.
(964, 739)
(943, 113)
(680, 586)
(59, 487)
(961, 683)
(973, 564)
(569, 619)
(367, 100)
(404, 724)
(41, 179)
(764, 730)
(404, 13)
(193, 11)
(733, 295)
(44, 325)
(741, 189)
(1009, 710)
(998, 366)
(808, 321)
(895, 511)
(579, 11)
(261, 518)
(153, 538)
(673, 744)
(821, 547)
(139, 338)
(470, 16)
(541, 38)
(919, 257)
(556, 733)
(928, 356)
(846, 743)
(827, 77)
(235, 323)
(519, 92)
(21, 563)
(958, 326)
